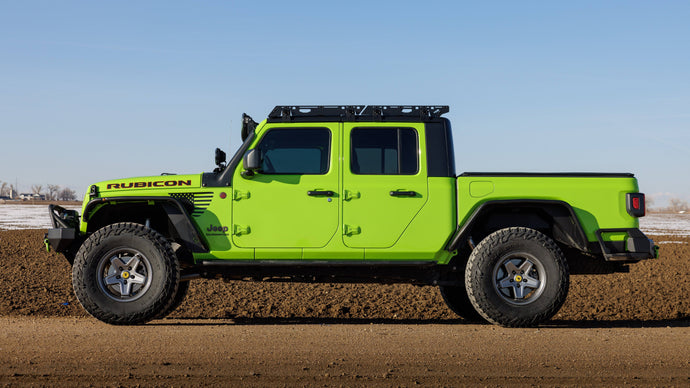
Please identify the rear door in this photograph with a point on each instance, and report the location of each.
(384, 182)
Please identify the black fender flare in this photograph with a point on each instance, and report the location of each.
(177, 214)
(562, 214)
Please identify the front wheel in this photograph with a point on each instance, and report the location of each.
(517, 277)
(126, 274)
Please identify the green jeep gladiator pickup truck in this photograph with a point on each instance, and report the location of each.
(348, 194)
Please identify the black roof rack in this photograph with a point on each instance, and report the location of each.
(339, 113)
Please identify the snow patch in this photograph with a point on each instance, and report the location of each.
(14, 217)
(662, 224)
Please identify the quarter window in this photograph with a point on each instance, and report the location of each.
(384, 151)
(295, 151)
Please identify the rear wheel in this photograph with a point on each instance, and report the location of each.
(517, 277)
(126, 273)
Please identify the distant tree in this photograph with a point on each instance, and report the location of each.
(67, 194)
(36, 189)
(4, 189)
(53, 191)
(677, 204)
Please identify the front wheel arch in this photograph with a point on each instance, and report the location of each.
(166, 215)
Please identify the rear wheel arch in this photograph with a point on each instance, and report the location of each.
(556, 219)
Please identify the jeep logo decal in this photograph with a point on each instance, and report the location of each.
(217, 230)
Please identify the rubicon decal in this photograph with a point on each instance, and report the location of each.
(141, 185)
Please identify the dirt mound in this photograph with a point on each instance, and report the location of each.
(34, 282)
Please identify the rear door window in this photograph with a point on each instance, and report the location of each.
(384, 151)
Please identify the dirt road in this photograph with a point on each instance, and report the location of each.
(81, 351)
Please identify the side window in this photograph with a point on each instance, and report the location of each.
(384, 151)
(295, 151)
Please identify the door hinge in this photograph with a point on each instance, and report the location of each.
(239, 230)
(239, 194)
(351, 230)
(348, 195)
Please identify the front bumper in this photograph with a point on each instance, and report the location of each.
(635, 247)
(62, 236)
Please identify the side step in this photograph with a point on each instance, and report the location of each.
(323, 271)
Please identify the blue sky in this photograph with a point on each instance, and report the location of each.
(98, 90)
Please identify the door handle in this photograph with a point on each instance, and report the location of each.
(403, 193)
(318, 193)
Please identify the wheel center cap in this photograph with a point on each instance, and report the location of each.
(518, 278)
(125, 275)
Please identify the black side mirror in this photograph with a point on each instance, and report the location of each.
(252, 162)
(220, 157)
(248, 125)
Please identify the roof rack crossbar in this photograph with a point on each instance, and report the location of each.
(341, 113)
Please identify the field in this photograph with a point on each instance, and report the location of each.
(616, 328)
(24, 216)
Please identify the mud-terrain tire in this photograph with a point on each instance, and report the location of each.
(178, 298)
(517, 277)
(126, 274)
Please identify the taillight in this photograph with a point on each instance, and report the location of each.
(634, 204)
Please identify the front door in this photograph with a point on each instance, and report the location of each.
(292, 201)
(386, 185)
